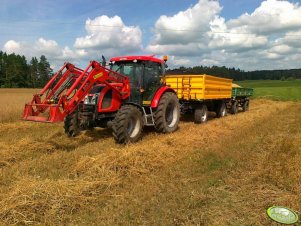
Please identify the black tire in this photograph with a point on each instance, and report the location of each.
(234, 108)
(127, 125)
(221, 110)
(201, 114)
(71, 124)
(167, 114)
(245, 106)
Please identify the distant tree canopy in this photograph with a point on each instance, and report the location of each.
(239, 75)
(15, 72)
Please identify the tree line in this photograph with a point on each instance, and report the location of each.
(239, 75)
(15, 72)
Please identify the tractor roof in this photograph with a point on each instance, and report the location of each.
(131, 58)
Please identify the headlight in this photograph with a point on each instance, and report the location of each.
(94, 99)
(86, 100)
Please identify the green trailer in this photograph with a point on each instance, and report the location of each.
(241, 92)
(240, 99)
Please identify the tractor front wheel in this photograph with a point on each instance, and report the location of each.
(167, 114)
(71, 124)
(127, 125)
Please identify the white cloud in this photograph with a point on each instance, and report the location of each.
(186, 26)
(251, 41)
(281, 49)
(180, 61)
(110, 33)
(12, 46)
(234, 39)
(105, 35)
(184, 34)
(291, 38)
(270, 17)
(55, 54)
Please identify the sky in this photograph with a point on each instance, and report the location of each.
(245, 34)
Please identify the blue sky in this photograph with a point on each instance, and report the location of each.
(58, 19)
(248, 34)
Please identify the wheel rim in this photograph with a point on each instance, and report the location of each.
(171, 115)
(133, 127)
(224, 112)
(204, 116)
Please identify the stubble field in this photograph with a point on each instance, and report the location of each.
(225, 172)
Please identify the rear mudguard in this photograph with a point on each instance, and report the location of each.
(159, 94)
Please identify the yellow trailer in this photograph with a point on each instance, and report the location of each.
(200, 87)
(199, 94)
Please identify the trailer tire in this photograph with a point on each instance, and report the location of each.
(127, 125)
(234, 108)
(221, 110)
(201, 114)
(71, 124)
(167, 114)
(245, 106)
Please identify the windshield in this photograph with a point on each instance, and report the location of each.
(131, 70)
(125, 68)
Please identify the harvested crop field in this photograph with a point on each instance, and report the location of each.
(225, 172)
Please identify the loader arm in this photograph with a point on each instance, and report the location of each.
(68, 87)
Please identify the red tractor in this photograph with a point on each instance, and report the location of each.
(125, 97)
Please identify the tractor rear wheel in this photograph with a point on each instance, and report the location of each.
(127, 125)
(71, 124)
(221, 110)
(201, 114)
(245, 106)
(167, 115)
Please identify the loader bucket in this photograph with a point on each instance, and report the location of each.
(47, 106)
(43, 113)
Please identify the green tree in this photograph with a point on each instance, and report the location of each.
(2, 69)
(33, 72)
(16, 71)
(44, 71)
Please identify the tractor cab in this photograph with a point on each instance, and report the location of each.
(144, 73)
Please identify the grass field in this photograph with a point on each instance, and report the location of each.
(226, 172)
(275, 89)
(12, 103)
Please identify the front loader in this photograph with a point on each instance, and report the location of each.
(125, 97)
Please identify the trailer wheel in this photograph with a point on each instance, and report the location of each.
(245, 106)
(234, 108)
(127, 125)
(201, 114)
(167, 114)
(221, 110)
(71, 124)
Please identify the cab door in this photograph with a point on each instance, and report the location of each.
(151, 80)
(136, 83)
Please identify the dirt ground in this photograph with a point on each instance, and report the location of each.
(225, 172)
